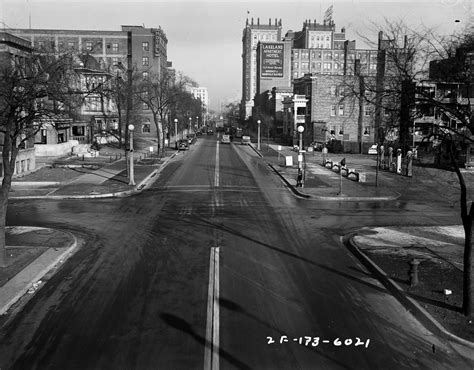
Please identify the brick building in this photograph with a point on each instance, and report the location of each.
(12, 50)
(139, 50)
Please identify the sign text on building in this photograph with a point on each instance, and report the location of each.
(272, 60)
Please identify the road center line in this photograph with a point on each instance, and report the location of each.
(211, 351)
(216, 173)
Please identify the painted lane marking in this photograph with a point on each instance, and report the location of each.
(211, 351)
(216, 173)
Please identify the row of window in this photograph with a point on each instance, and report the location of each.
(88, 45)
(339, 130)
(332, 55)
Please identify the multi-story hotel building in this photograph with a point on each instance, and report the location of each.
(253, 34)
(140, 50)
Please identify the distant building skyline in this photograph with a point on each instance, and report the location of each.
(205, 38)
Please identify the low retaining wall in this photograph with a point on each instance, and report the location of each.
(55, 150)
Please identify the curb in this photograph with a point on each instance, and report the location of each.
(121, 194)
(38, 275)
(423, 316)
(292, 188)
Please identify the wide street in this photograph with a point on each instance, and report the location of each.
(218, 265)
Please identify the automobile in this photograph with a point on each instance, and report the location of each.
(191, 138)
(373, 149)
(210, 132)
(225, 139)
(245, 140)
(182, 144)
(198, 133)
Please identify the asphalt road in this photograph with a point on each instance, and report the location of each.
(218, 265)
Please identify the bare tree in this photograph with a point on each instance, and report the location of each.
(419, 71)
(161, 93)
(35, 90)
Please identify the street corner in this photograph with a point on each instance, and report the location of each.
(32, 236)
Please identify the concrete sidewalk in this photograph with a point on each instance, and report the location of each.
(31, 253)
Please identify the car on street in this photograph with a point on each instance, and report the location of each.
(210, 132)
(191, 138)
(245, 140)
(182, 144)
(225, 139)
(373, 149)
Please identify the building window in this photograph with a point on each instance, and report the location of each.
(305, 65)
(28, 164)
(333, 90)
(115, 47)
(115, 61)
(145, 46)
(145, 106)
(333, 110)
(341, 109)
(304, 54)
(145, 61)
(296, 54)
(145, 75)
(146, 127)
(327, 66)
(366, 111)
(89, 46)
(114, 124)
(78, 130)
(295, 65)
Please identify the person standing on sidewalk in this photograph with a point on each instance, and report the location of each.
(299, 178)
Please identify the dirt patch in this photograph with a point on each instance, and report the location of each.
(434, 277)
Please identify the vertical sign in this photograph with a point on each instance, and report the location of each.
(272, 60)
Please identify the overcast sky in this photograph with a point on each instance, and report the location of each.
(205, 38)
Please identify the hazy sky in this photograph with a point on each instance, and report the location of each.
(205, 38)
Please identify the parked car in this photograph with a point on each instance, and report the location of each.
(191, 138)
(225, 139)
(210, 132)
(245, 140)
(182, 144)
(373, 149)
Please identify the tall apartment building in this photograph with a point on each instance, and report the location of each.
(202, 94)
(252, 35)
(142, 50)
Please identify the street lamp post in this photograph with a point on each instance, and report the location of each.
(197, 122)
(190, 122)
(132, 179)
(176, 132)
(300, 157)
(258, 135)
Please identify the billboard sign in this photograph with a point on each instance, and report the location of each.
(272, 60)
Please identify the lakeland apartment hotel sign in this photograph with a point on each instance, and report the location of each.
(272, 60)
